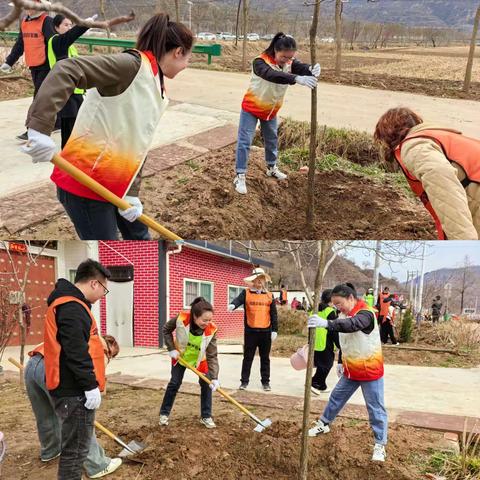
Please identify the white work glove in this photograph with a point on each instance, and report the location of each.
(132, 213)
(94, 399)
(174, 354)
(214, 385)
(92, 18)
(5, 68)
(231, 307)
(306, 81)
(274, 336)
(39, 146)
(315, 321)
(315, 69)
(339, 370)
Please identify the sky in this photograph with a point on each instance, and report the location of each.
(439, 254)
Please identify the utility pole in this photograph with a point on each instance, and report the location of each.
(422, 274)
(376, 268)
(190, 14)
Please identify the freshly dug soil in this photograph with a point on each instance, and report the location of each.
(15, 86)
(185, 449)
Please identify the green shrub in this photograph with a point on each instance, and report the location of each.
(407, 327)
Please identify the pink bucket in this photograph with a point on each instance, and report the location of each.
(299, 359)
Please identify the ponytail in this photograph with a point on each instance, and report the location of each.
(160, 35)
(280, 42)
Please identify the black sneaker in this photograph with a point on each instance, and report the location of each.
(23, 137)
(266, 387)
(243, 386)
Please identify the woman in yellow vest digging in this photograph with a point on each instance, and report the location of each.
(114, 128)
(272, 72)
(196, 343)
(60, 46)
(261, 325)
(442, 167)
(362, 362)
(325, 342)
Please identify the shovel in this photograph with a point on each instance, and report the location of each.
(261, 424)
(132, 448)
(109, 196)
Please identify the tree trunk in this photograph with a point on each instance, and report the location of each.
(237, 22)
(23, 336)
(313, 125)
(245, 30)
(471, 53)
(338, 36)
(177, 11)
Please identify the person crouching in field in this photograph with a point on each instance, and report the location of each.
(196, 344)
(273, 71)
(442, 168)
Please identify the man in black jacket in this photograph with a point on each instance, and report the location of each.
(78, 394)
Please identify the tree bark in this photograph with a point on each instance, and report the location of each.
(471, 53)
(338, 36)
(245, 29)
(177, 11)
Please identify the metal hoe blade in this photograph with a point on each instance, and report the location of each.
(264, 424)
(134, 448)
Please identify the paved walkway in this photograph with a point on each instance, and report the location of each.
(447, 391)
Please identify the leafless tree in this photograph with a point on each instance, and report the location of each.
(471, 53)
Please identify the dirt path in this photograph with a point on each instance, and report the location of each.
(198, 200)
(232, 451)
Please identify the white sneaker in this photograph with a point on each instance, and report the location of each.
(163, 420)
(240, 183)
(276, 173)
(110, 468)
(208, 422)
(52, 458)
(317, 391)
(319, 427)
(379, 453)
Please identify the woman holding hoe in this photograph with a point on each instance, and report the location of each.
(272, 72)
(114, 128)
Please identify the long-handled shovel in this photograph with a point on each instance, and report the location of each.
(132, 448)
(261, 424)
(99, 189)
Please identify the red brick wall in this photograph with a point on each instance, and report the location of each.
(198, 265)
(40, 282)
(144, 256)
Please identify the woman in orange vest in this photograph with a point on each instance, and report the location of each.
(35, 31)
(261, 325)
(196, 343)
(362, 362)
(442, 167)
(97, 464)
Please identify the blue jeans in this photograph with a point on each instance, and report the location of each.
(246, 132)
(48, 424)
(373, 395)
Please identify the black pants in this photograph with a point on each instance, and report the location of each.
(324, 363)
(435, 317)
(252, 340)
(38, 76)
(386, 330)
(77, 430)
(96, 220)
(173, 386)
(66, 127)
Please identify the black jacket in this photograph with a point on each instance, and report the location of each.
(73, 324)
(48, 31)
(265, 71)
(363, 320)
(240, 301)
(60, 45)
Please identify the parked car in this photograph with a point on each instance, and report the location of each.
(206, 36)
(268, 36)
(253, 37)
(225, 36)
(98, 32)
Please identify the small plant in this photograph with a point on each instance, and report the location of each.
(407, 327)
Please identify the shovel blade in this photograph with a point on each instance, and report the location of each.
(265, 424)
(134, 448)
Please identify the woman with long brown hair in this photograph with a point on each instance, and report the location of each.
(442, 167)
(114, 128)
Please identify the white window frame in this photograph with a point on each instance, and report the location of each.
(228, 292)
(196, 280)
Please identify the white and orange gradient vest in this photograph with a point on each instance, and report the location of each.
(362, 356)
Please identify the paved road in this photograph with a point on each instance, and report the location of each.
(448, 391)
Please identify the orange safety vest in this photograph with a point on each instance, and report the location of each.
(284, 295)
(257, 309)
(384, 306)
(34, 42)
(464, 151)
(181, 341)
(51, 347)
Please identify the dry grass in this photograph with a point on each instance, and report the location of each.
(461, 335)
(291, 322)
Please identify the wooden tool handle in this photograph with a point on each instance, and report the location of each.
(220, 391)
(17, 364)
(109, 196)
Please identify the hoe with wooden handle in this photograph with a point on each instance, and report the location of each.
(109, 196)
(261, 424)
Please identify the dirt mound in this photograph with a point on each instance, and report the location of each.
(205, 205)
(15, 86)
